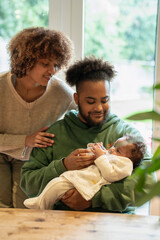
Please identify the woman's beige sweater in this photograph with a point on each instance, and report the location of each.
(19, 118)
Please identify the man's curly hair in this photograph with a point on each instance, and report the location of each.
(90, 68)
(31, 44)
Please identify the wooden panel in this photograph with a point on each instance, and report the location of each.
(46, 225)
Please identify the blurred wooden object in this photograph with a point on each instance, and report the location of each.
(155, 202)
(27, 224)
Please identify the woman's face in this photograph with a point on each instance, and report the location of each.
(42, 71)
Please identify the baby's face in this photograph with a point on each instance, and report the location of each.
(122, 148)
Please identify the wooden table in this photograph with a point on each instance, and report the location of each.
(19, 224)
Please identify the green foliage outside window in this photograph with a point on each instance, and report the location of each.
(16, 15)
(121, 29)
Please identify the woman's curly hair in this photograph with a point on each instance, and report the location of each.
(90, 68)
(31, 44)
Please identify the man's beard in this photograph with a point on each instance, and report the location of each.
(88, 119)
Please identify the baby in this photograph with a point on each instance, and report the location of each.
(109, 166)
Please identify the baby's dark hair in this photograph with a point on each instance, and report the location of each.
(90, 68)
(31, 44)
(139, 151)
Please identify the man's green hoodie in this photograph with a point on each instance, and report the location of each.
(71, 133)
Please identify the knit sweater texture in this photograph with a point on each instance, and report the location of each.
(19, 118)
(71, 133)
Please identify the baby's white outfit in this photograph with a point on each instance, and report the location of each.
(88, 181)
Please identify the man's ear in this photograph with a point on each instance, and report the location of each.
(75, 98)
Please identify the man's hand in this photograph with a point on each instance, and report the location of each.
(74, 200)
(39, 139)
(78, 159)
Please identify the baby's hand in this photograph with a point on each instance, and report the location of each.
(97, 150)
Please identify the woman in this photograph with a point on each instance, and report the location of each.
(31, 100)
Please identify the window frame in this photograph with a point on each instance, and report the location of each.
(68, 16)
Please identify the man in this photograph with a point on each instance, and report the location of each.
(92, 123)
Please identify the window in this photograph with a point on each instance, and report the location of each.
(16, 15)
(124, 33)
